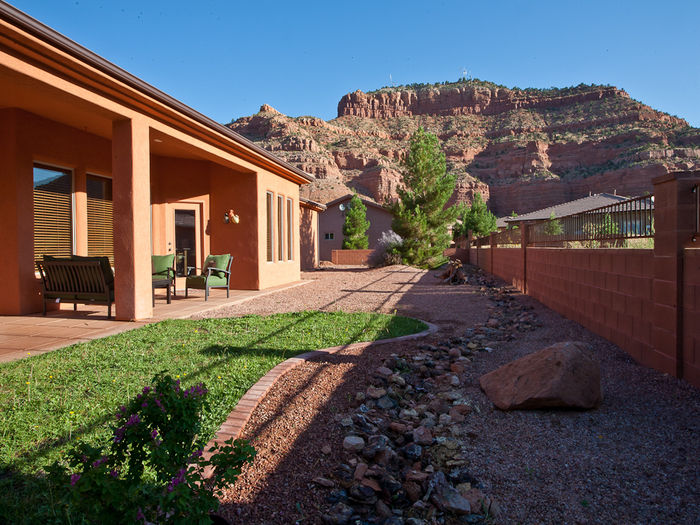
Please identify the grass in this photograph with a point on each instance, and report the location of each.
(49, 401)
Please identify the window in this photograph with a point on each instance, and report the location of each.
(290, 230)
(280, 228)
(99, 217)
(53, 212)
(328, 236)
(270, 239)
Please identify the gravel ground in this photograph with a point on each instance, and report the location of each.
(634, 460)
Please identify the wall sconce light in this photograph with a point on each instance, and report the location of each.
(231, 217)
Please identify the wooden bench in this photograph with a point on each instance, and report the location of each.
(77, 282)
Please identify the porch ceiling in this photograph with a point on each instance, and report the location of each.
(21, 91)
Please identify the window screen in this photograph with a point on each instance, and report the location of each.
(53, 212)
(99, 217)
(280, 228)
(290, 230)
(270, 239)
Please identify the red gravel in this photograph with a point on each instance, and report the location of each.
(636, 459)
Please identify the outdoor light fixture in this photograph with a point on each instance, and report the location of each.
(231, 217)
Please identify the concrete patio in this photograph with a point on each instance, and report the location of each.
(21, 336)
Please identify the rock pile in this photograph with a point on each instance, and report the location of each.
(404, 446)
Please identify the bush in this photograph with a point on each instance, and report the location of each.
(388, 251)
(153, 471)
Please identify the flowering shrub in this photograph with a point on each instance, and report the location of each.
(388, 249)
(153, 471)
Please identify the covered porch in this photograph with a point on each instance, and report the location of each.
(95, 162)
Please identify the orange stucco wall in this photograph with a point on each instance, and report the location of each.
(308, 242)
(232, 190)
(26, 139)
(276, 272)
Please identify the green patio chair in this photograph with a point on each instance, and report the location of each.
(163, 274)
(215, 274)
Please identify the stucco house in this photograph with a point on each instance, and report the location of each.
(94, 161)
(332, 219)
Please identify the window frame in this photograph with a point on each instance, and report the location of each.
(93, 175)
(270, 205)
(280, 228)
(290, 229)
(67, 171)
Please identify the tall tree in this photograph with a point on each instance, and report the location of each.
(421, 216)
(356, 225)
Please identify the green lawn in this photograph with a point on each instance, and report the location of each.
(47, 402)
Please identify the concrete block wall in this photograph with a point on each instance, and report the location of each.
(645, 301)
(351, 257)
(691, 317)
(507, 264)
(609, 291)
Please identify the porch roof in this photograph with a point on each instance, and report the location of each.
(114, 82)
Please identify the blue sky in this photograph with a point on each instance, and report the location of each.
(226, 58)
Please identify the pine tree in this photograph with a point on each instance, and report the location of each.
(477, 218)
(356, 226)
(421, 217)
(553, 226)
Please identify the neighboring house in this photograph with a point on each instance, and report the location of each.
(331, 224)
(308, 233)
(94, 161)
(565, 209)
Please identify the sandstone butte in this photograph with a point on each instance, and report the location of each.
(522, 149)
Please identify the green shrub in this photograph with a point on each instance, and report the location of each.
(152, 469)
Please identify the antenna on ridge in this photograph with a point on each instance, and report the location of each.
(391, 80)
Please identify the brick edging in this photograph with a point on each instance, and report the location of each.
(239, 416)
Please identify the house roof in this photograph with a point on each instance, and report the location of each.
(565, 209)
(48, 36)
(308, 203)
(501, 221)
(365, 200)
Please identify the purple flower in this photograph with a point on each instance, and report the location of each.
(120, 412)
(133, 420)
(119, 434)
(146, 390)
(179, 478)
(114, 473)
(154, 433)
(144, 405)
(160, 405)
(99, 462)
(196, 454)
(74, 479)
(140, 516)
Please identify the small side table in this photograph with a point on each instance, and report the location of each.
(161, 283)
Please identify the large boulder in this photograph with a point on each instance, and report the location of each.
(562, 375)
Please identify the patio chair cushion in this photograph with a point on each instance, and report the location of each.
(216, 261)
(198, 281)
(161, 265)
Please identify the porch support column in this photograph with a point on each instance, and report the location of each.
(131, 202)
(20, 289)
